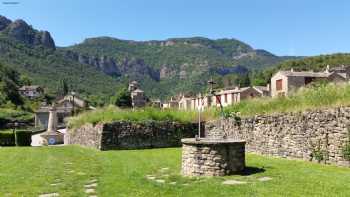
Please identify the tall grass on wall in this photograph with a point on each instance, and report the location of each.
(112, 113)
(313, 97)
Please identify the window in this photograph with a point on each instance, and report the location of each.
(308, 80)
(279, 84)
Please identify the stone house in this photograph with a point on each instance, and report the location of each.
(185, 103)
(227, 97)
(64, 109)
(285, 82)
(232, 96)
(172, 104)
(156, 103)
(31, 92)
(138, 98)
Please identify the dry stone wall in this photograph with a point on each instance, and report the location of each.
(319, 135)
(131, 135)
(87, 135)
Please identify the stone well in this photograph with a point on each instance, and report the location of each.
(212, 157)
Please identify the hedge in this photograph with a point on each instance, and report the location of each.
(7, 139)
(23, 138)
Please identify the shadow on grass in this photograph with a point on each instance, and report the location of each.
(252, 170)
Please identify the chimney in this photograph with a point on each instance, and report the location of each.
(237, 88)
(268, 87)
(291, 70)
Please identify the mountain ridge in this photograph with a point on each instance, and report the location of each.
(100, 65)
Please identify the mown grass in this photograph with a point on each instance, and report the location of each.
(316, 97)
(31, 171)
(112, 113)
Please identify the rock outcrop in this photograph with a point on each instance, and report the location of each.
(23, 32)
(102, 63)
(4, 22)
(136, 68)
(131, 67)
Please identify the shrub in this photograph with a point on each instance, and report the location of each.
(7, 139)
(318, 153)
(23, 138)
(122, 98)
(346, 148)
(346, 151)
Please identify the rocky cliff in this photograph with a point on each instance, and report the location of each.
(22, 32)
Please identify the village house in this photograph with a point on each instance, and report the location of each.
(172, 104)
(65, 107)
(31, 92)
(227, 97)
(185, 102)
(156, 103)
(232, 96)
(138, 98)
(285, 82)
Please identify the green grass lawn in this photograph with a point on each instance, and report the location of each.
(31, 171)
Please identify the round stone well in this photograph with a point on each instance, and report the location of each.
(212, 157)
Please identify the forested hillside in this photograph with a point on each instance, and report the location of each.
(174, 65)
(34, 54)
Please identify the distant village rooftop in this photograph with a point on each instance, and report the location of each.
(28, 88)
(285, 82)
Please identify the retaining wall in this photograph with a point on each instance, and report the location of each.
(318, 135)
(131, 135)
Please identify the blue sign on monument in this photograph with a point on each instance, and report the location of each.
(52, 141)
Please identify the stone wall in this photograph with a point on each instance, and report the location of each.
(131, 135)
(308, 135)
(87, 135)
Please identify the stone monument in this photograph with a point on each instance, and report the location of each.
(52, 136)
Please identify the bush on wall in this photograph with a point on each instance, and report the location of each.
(23, 138)
(7, 139)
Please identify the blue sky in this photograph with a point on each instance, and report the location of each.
(283, 27)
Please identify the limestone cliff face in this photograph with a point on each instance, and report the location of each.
(46, 39)
(23, 32)
(4, 22)
(136, 69)
(131, 67)
(103, 63)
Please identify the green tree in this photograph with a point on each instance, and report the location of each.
(63, 88)
(26, 81)
(243, 80)
(122, 98)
